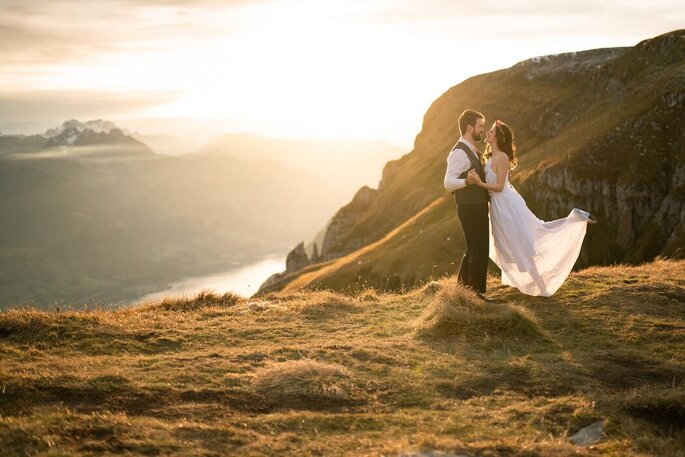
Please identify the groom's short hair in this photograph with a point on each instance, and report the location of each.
(468, 117)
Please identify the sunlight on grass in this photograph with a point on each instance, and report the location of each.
(322, 372)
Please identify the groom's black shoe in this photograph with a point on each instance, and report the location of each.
(484, 298)
(591, 218)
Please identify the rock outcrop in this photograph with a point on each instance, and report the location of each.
(343, 222)
(296, 260)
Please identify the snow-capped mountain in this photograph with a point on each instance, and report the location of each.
(104, 135)
(97, 125)
(93, 139)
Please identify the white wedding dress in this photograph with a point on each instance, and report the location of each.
(535, 256)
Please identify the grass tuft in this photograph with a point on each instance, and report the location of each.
(457, 311)
(662, 407)
(305, 384)
(204, 299)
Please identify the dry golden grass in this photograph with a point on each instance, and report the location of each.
(322, 304)
(324, 373)
(456, 311)
(203, 299)
(306, 384)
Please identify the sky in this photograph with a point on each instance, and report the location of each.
(324, 69)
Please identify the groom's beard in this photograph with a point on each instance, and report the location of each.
(478, 137)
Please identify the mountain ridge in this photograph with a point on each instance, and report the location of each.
(569, 112)
(94, 138)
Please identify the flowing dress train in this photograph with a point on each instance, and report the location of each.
(535, 256)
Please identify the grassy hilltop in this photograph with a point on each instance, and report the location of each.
(324, 373)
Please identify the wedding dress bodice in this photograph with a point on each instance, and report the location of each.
(491, 178)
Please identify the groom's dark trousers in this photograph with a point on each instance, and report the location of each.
(474, 264)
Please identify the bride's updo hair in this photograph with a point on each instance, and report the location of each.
(504, 136)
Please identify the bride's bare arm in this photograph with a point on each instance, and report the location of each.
(499, 166)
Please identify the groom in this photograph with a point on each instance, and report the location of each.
(472, 201)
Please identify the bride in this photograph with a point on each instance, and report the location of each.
(535, 256)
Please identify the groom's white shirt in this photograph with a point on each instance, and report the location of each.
(457, 163)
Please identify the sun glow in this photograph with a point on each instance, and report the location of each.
(288, 68)
(279, 68)
(292, 76)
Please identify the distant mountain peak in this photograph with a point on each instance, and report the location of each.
(96, 125)
(74, 133)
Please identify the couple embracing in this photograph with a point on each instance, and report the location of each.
(535, 256)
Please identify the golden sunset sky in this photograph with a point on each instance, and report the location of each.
(345, 68)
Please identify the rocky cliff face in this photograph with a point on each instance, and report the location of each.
(631, 174)
(343, 222)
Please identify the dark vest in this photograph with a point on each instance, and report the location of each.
(471, 193)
